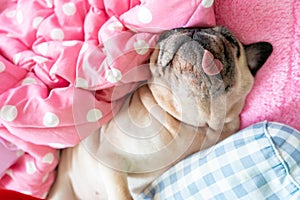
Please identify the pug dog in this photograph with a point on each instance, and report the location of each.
(200, 80)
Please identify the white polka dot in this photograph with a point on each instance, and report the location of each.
(57, 145)
(141, 47)
(50, 120)
(20, 153)
(8, 113)
(26, 192)
(43, 48)
(30, 167)
(16, 58)
(57, 34)
(2, 67)
(39, 59)
(93, 115)
(113, 75)
(69, 9)
(11, 13)
(36, 22)
(48, 158)
(82, 83)
(207, 3)
(29, 81)
(49, 3)
(9, 172)
(45, 178)
(20, 17)
(84, 48)
(115, 26)
(53, 70)
(70, 43)
(144, 15)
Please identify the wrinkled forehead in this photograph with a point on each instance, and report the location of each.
(217, 40)
(218, 37)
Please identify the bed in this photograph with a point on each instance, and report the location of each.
(67, 66)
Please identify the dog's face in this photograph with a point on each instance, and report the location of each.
(202, 76)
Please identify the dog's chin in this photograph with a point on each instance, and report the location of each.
(181, 102)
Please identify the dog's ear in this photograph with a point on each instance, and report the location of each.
(257, 54)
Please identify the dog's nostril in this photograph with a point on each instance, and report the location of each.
(206, 125)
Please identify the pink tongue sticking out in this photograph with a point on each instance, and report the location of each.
(210, 65)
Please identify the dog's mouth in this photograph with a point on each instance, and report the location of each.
(205, 58)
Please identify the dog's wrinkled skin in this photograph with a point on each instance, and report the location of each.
(200, 81)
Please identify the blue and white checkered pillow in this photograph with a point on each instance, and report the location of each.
(259, 162)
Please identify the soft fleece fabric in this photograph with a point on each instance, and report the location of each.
(65, 66)
(276, 93)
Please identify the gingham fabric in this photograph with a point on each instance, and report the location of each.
(260, 162)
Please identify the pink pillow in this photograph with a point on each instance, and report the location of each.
(276, 93)
(155, 15)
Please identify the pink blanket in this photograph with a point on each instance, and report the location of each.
(65, 68)
(276, 93)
